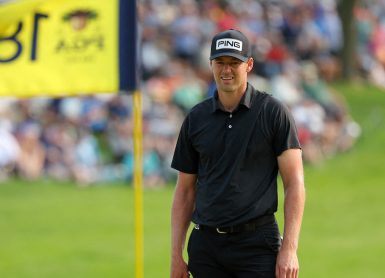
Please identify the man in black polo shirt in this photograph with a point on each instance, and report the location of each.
(229, 151)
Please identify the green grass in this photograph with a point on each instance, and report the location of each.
(58, 230)
(343, 230)
(61, 230)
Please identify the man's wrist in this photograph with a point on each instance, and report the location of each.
(289, 246)
(177, 255)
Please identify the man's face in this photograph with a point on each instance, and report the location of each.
(230, 73)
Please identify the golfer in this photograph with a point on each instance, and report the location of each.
(228, 155)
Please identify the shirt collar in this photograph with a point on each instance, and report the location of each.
(246, 100)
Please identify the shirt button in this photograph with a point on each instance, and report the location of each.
(231, 115)
(230, 126)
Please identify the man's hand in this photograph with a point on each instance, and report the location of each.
(287, 264)
(291, 169)
(179, 269)
(182, 208)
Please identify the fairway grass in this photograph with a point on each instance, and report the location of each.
(59, 230)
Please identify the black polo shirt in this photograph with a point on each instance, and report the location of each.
(235, 156)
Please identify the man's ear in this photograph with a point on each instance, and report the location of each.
(250, 64)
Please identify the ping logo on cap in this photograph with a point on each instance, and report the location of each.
(229, 44)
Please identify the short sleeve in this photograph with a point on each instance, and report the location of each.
(285, 134)
(185, 157)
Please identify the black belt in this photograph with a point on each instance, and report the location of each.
(249, 226)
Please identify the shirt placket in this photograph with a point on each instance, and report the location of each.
(229, 126)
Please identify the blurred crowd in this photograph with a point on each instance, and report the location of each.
(296, 46)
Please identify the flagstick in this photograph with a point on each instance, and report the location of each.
(138, 189)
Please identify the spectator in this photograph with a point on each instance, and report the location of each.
(30, 163)
(9, 150)
(185, 31)
(86, 163)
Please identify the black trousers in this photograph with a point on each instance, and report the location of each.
(240, 255)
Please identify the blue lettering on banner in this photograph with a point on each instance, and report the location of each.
(19, 47)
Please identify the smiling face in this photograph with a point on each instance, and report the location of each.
(230, 73)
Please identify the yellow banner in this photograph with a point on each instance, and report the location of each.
(60, 47)
(15, 10)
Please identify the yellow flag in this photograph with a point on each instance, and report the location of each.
(66, 47)
(14, 11)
